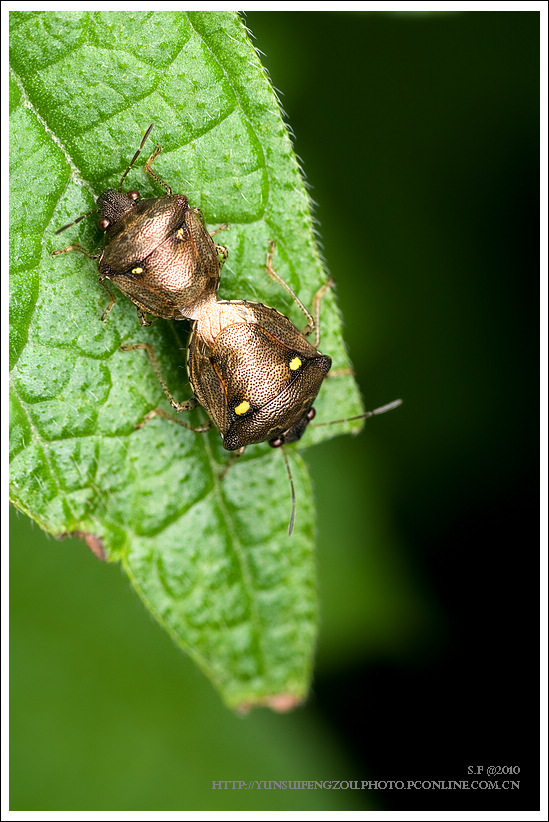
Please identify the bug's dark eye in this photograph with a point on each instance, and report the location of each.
(276, 443)
(104, 223)
(133, 195)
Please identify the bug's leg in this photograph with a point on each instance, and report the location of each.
(75, 247)
(223, 253)
(86, 253)
(222, 227)
(231, 461)
(222, 250)
(340, 372)
(313, 323)
(142, 315)
(159, 412)
(278, 279)
(186, 405)
(153, 174)
(316, 309)
(111, 295)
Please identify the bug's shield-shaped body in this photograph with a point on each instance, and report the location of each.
(254, 372)
(159, 253)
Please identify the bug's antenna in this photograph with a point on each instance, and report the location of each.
(95, 210)
(136, 155)
(375, 413)
(292, 518)
(87, 214)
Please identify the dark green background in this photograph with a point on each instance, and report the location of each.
(419, 136)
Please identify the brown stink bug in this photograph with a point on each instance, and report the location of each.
(255, 374)
(157, 250)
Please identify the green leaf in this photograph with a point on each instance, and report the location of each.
(210, 558)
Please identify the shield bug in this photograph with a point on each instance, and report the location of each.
(255, 374)
(157, 250)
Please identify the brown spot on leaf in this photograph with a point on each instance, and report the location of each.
(280, 703)
(94, 543)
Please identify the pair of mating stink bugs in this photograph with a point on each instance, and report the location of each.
(252, 370)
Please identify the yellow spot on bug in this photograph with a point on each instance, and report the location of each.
(180, 234)
(295, 364)
(242, 408)
(137, 270)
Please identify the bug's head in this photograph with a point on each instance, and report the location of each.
(113, 205)
(295, 432)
